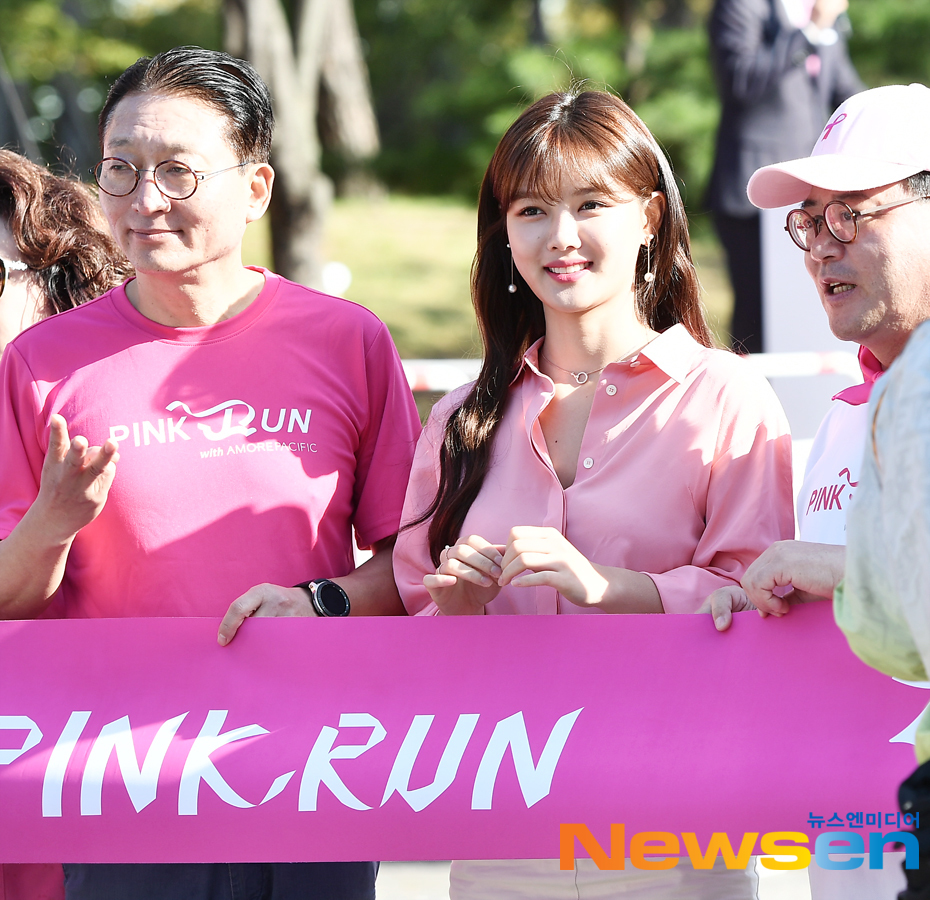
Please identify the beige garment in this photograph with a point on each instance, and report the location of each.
(541, 879)
(859, 884)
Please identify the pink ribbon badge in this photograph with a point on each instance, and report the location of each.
(832, 125)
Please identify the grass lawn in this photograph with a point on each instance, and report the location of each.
(410, 260)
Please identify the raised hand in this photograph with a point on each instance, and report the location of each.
(75, 482)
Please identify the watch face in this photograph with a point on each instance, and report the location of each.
(333, 599)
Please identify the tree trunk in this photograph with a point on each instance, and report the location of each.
(637, 30)
(348, 127)
(538, 36)
(21, 130)
(295, 57)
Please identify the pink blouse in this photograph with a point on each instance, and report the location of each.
(684, 474)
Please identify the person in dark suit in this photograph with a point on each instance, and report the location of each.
(781, 66)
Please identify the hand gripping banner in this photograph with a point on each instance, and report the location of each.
(142, 740)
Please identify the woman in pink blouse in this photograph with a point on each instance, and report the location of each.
(607, 459)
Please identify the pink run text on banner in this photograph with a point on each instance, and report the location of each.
(141, 740)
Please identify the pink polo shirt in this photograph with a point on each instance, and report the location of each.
(684, 474)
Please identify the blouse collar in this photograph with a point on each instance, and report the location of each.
(674, 351)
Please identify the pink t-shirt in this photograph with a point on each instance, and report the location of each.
(248, 449)
(684, 474)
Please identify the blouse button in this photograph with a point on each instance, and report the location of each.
(611, 390)
(588, 462)
(634, 363)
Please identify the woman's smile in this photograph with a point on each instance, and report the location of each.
(578, 251)
(567, 271)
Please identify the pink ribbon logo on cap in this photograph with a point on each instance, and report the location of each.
(832, 125)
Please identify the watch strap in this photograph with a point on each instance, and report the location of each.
(314, 589)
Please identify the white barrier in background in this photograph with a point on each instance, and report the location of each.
(448, 374)
(440, 374)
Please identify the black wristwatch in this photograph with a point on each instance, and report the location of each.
(326, 597)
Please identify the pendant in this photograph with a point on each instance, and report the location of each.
(580, 377)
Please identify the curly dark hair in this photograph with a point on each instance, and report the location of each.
(60, 232)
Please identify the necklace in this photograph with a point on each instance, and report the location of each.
(582, 377)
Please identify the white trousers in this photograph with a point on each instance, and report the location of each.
(541, 879)
(861, 883)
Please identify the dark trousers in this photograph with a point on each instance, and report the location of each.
(914, 797)
(742, 245)
(222, 881)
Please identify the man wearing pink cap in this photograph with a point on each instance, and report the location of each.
(862, 221)
(863, 228)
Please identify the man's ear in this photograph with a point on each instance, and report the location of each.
(260, 191)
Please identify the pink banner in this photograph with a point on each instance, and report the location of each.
(305, 739)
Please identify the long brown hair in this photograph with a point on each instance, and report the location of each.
(59, 232)
(593, 138)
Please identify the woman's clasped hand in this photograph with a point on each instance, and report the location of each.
(472, 572)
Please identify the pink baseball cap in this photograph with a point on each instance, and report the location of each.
(875, 138)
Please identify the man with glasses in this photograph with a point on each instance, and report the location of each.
(863, 223)
(230, 428)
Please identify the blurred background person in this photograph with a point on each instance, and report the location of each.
(55, 250)
(55, 253)
(781, 66)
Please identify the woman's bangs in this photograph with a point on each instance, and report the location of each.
(563, 158)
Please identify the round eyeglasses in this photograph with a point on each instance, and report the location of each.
(9, 266)
(174, 179)
(841, 219)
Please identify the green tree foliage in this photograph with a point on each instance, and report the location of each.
(98, 38)
(890, 40)
(438, 70)
(450, 75)
(41, 39)
(63, 54)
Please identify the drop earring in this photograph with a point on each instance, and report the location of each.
(648, 277)
(512, 287)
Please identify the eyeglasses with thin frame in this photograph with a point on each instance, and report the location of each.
(8, 265)
(841, 219)
(174, 179)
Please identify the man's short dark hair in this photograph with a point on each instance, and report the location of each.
(230, 86)
(918, 185)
